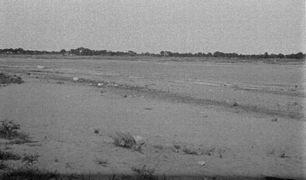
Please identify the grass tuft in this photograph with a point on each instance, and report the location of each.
(10, 79)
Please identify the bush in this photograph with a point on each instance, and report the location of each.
(8, 156)
(125, 140)
(10, 79)
(8, 129)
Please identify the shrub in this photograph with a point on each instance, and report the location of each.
(9, 79)
(8, 156)
(8, 129)
(126, 140)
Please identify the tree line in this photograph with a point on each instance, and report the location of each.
(81, 51)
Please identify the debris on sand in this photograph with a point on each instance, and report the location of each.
(40, 67)
(274, 120)
(100, 84)
(235, 104)
(10, 79)
(190, 150)
(139, 140)
(202, 163)
(75, 78)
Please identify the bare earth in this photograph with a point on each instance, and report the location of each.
(239, 119)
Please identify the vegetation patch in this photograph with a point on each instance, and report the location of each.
(6, 79)
(8, 156)
(33, 174)
(11, 130)
(126, 140)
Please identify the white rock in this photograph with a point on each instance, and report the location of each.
(75, 78)
(40, 67)
(138, 139)
(202, 163)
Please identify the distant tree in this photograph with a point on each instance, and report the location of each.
(266, 55)
(218, 54)
(63, 51)
(132, 53)
(280, 55)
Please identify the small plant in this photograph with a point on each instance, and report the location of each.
(8, 156)
(144, 173)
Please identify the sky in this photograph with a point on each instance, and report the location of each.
(242, 26)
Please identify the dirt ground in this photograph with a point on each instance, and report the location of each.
(195, 118)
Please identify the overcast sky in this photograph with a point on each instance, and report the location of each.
(243, 26)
